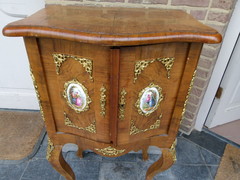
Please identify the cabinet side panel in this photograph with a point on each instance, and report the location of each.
(185, 87)
(39, 81)
(78, 81)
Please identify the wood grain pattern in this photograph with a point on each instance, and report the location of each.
(114, 92)
(114, 39)
(113, 26)
(190, 67)
(72, 69)
(58, 162)
(164, 162)
(35, 61)
(154, 73)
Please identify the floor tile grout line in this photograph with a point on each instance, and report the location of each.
(210, 174)
(24, 170)
(202, 147)
(99, 168)
(130, 162)
(60, 177)
(104, 161)
(37, 158)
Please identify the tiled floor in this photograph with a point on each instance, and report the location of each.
(198, 158)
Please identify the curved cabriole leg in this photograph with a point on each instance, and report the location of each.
(80, 153)
(145, 154)
(164, 162)
(54, 156)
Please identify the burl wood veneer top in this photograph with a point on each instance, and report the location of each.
(113, 26)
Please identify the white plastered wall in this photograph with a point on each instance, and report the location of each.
(16, 88)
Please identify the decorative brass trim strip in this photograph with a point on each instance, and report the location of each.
(134, 130)
(50, 148)
(86, 63)
(137, 104)
(173, 150)
(141, 65)
(103, 99)
(65, 95)
(110, 151)
(37, 93)
(122, 102)
(189, 91)
(91, 128)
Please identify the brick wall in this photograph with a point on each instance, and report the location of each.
(215, 13)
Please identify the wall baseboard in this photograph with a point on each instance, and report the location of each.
(22, 99)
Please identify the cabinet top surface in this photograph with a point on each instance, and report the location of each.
(113, 26)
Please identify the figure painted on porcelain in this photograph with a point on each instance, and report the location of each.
(75, 96)
(149, 99)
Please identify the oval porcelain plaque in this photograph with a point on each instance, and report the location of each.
(77, 96)
(149, 99)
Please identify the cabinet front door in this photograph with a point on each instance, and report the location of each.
(150, 77)
(77, 77)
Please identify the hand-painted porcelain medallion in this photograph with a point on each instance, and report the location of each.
(77, 96)
(149, 99)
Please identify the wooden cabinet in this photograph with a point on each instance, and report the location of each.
(112, 79)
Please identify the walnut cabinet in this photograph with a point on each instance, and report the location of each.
(112, 79)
